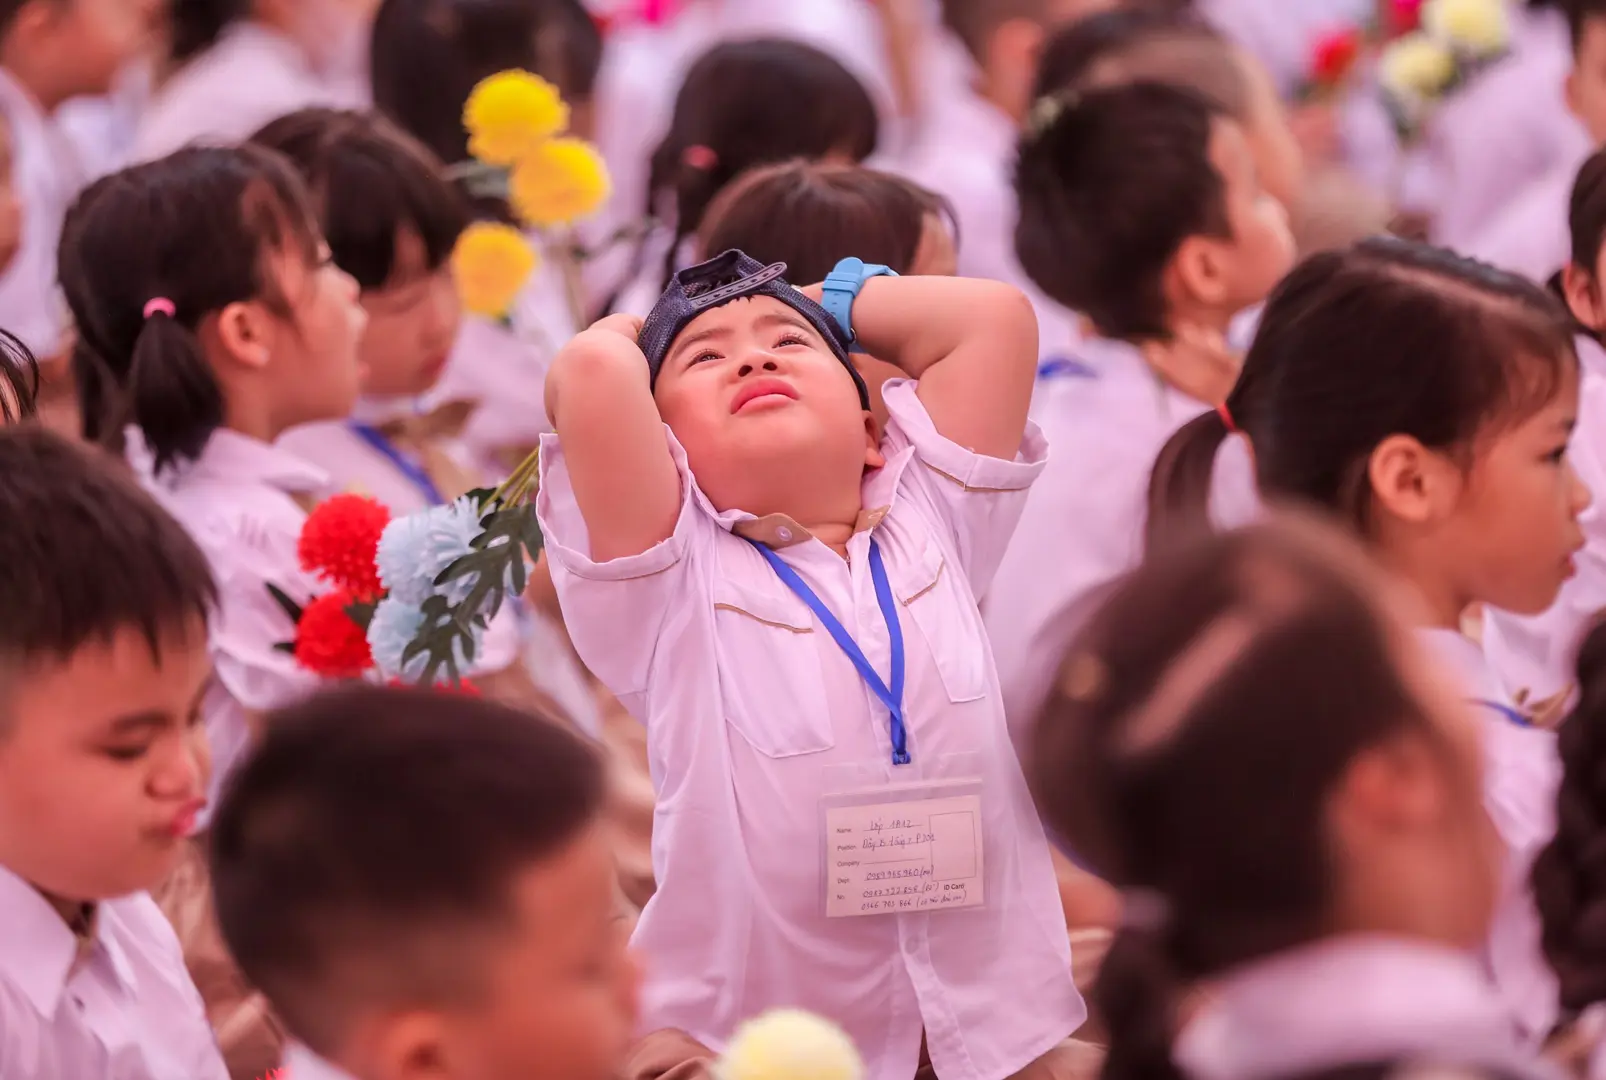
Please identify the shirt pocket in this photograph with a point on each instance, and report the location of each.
(770, 677)
(937, 597)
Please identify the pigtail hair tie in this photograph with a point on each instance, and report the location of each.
(1226, 418)
(160, 305)
(699, 157)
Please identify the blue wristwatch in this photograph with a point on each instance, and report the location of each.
(841, 289)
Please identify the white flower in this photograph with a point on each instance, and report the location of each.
(1416, 68)
(394, 626)
(1479, 27)
(413, 550)
(789, 1044)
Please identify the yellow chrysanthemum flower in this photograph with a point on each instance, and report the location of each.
(491, 263)
(557, 182)
(1416, 67)
(509, 114)
(789, 1044)
(1481, 27)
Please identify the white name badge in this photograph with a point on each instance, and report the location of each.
(888, 858)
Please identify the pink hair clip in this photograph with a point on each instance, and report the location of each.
(160, 304)
(699, 156)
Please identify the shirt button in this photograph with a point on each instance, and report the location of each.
(784, 534)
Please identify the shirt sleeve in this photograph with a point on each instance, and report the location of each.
(614, 611)
(977, 499)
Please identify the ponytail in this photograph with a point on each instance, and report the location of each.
(172, 394)
(19, 379)
(1569, 876)
(1137, 993)
(1179, 487)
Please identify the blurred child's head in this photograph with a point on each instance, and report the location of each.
(749, 103)
(62, 49)
(1006, 37)
(333, 34)
(758, 388)
(1168, 759)
(812, 215)
(1583, 279)
(1140, 207)
(204, 296)
(1586, 83)
(1567, 885)
(19, 380)
(1133, 44)
(422, 886)
(1424, 399)
(103, 662)
(428, 55)
(391, 219)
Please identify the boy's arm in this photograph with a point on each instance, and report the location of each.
(599, 398)
(971, 343)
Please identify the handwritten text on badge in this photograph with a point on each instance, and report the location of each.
(887, 858)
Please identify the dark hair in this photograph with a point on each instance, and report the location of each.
(194, 26)
(812, 215)
(1386, 337)
(369, 180)
(1580, 13)
(1586, 212)
(1165, 758)
(85, 552)
(973, 22)
(428, 55)
(195, 229)
(1111, 182)
(19, 374)
(1569, 875)
(750, 103)
(1135, 44)
(375, 832)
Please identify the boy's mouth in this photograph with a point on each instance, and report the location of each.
(759, 389)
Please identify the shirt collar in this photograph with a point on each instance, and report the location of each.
(39, 952)
(302, 1064)
(1357, 998)
(236, 458)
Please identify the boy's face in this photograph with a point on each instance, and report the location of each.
(85, 43)
(750, 386)
(1586, 85)
(1241, 270)
(412, 322)
(103, 763)
(560, 999)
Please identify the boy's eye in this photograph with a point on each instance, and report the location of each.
(1557, 454)
(126, 753)
(792, 339)
(706, 354)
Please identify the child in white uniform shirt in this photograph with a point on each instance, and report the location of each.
(1141, 208)
(1428, 401)
(423, 886)
(232, 67)
(788, 603)
(1530, 234)
(51, 52)
(103, 769)
(1305, 884)
(1533, 654)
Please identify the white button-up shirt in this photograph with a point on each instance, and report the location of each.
(47, 175)
(1106, 415)
(238, 500)
(1531, 234)
(753, 714)
(1360, 999)
(1521, 774)
(123, 1009)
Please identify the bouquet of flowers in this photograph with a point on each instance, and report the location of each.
(1454, 41)
(1332, 62)
(516, 123)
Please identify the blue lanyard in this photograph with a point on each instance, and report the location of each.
(408, 467)
(1506, 711)
(891, 698)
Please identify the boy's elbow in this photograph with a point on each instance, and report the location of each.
(1009, 318)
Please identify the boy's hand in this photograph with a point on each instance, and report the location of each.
(1197, 362)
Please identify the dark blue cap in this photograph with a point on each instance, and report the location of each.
(720, 280)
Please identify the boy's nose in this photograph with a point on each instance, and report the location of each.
(766, 364)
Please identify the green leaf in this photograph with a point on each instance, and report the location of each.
(286, 647)
(361, 612)
(290, 607)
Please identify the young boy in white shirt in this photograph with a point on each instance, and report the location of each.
(423, 886)
(788, 602)
(103, 765)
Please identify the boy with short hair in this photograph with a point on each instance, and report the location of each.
(103, 768)
(422, 886)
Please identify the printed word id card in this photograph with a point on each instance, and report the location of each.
(887, 858)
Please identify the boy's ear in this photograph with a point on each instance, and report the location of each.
(873, 457)
(1583, 296)
(1198, 273)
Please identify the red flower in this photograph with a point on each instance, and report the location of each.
(1334, 56)
(465, 688)
(329, 642)
(339, 541)
(1404, 16)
